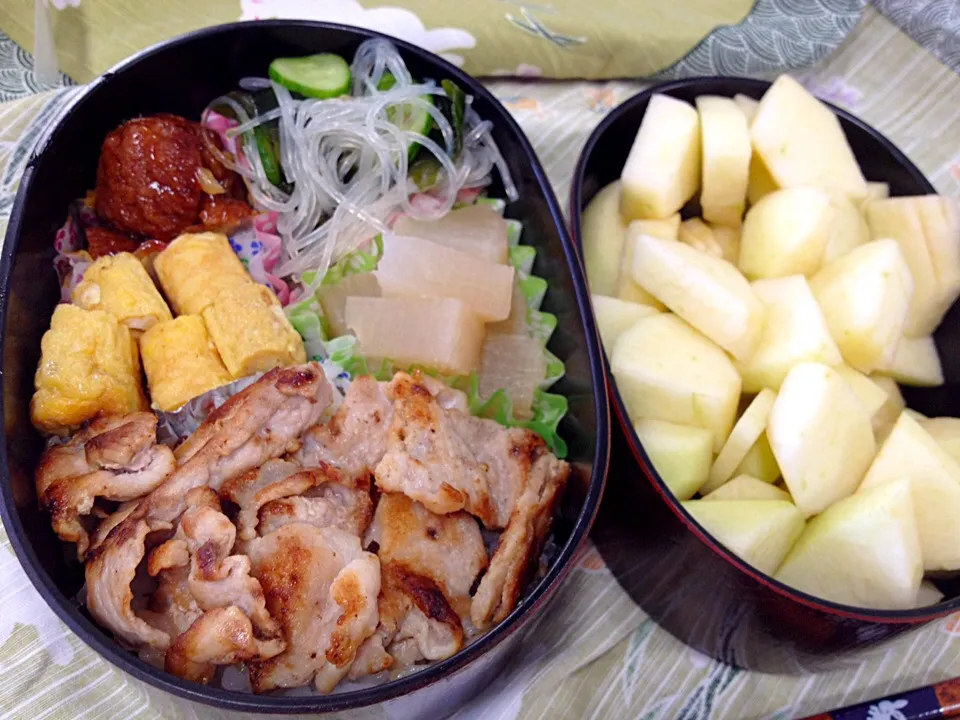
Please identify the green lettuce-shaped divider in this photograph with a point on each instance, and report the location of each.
(548, 408)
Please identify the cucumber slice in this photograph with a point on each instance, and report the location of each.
(317, 76)
(408, 117)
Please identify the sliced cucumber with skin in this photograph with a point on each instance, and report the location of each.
(318, 76)
(408, 117)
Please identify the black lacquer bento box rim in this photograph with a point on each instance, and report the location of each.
(67, 608)
(722, 85)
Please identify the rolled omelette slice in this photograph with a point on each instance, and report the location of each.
(195, 268)
(121, 286)
(251, 331)
(181, 362)
(89, 366)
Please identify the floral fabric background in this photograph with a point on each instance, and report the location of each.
(548, 38)
(618, 664)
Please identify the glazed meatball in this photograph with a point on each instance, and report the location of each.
(147, 177)
(104, 241)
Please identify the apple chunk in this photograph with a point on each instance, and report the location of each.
(795, 332)
(801, 142)
(666, 370)
(760, 532)
(864, 551)
(821, 436)
(888, 414)
(910, 453)
(614, 316)
(785, 233)
(662, 170)
(602, 235)
(867, 391)
(898, 219)
(848, 230)
(865, 296)
(946, 431)
(760, 462)
(725, 160)
(706, 291)
(916, 362)
(744, 435)
(744, 487)
(681, 454)
(626, 288)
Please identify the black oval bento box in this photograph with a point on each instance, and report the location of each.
(181, 76)
(687, 581)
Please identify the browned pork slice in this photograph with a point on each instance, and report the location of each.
(115, 458)
(355, 438)
(515, 559)
(329, 505)
(218, 637)
(427, 459)
(267, 493)
(109, 571)
(323, 587)
(428, 564)
(261, 422)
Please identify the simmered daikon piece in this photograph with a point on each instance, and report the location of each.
(514, 363)
(413, 267)
(440, 333)
(477, 230)
(333, 298)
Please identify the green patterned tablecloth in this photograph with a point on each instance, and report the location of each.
(593, 654)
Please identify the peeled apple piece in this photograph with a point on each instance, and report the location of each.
(910, 453)
(899, 219)
(928, 594)
(785, 233)
(626, 288)
(698, 235)
(662, 170)
(941, 229)
(801, 141)
(888, 414)
(666, 370)
(877, 191)
(821, 435)
(916, 362)
(728, 238)
(871, 395)
(614, 316)
(865, 296)
(748, 106)
(725, 160)
(744, 435)
(946, 432)
(795, 332)
(848, 230)
(602, 234)
(760, 532)
(759, 182)
(864, 551)
(744, 487)
(707, 292)
(681, 454)
(760, 462)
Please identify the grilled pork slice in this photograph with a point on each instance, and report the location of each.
(223, 636)
(261, 422)
(516, 557)
(429, 563)
(323, 587)
(355, 438)
(114, 458)
(271, 492)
